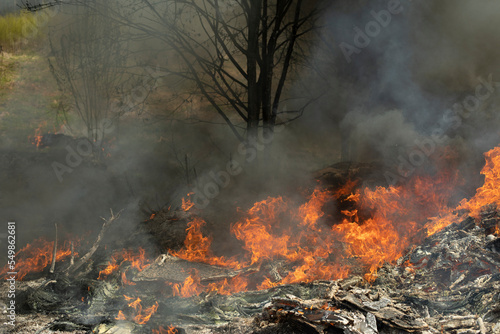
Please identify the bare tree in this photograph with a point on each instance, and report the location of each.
(238, 53)
(89, 60)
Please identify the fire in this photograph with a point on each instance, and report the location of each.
(137, 260)
(197, 247)
(170, 330)
(37, 256)
(315, 247)
(489, 193)
(125, 280)
(112, 267)
(256, 231)
(267, 234)
(120, 316)
(37, 138)
(398, 216)
(192, 286)
(347, 189)
(376, 226)
(141, 316)
(437, 223)
(235, 284)
(328, 307)
(187, 204)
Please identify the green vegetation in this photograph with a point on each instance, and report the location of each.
(28, 99)
(16, 29)
(28, 94)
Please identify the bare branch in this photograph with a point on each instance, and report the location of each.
(97, 243)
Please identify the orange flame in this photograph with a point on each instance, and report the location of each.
(346, 189)
(141, 319)
(278, 229)
(187, 204)
(192, 286)
(120, 316)
(125, 281)
(37, 138)
(197, 247)
(377, 227)
(170, 330)
(256, 230)
(137, 260)
(235, 284)
(141, 316)
(489, 193)
(112, 267)
(36, 256)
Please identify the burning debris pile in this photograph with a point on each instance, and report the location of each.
(448, 284)
(343, 261)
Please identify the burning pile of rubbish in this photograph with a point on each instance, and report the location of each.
(348, 259)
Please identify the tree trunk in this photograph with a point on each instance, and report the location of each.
(252, 58)
(266, 73)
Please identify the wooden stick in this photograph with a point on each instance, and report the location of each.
(97, 242)
(54, 254)
(72, 260)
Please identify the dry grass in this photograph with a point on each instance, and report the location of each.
(18, 29)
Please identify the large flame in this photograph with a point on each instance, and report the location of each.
(489, 193)
(137, 260)
(315, 247)
(289, 242)
(197, 247)
(36, 256)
